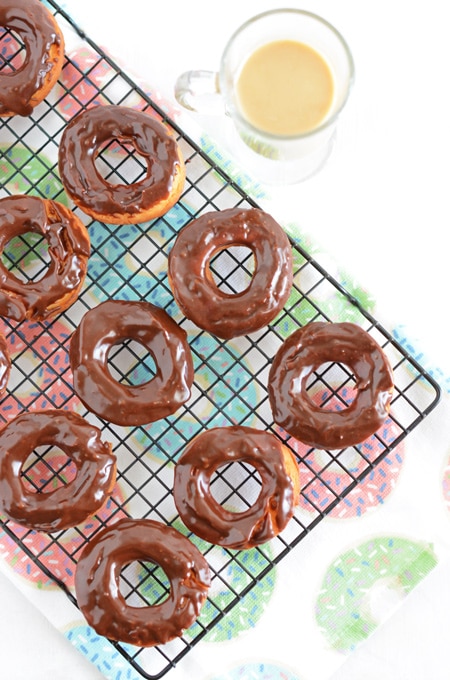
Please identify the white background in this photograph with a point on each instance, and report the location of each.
(380, 207)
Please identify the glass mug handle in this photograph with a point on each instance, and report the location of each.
(199, 91)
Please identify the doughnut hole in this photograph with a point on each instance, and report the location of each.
(232, 269)
(383, 598)
(12, 51)
(27, 257)
(331, 386)
(144, 584)
(130, 363)
(119, 163)
(236, 486)
(46, 469)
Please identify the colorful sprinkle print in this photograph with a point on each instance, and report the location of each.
(82, 79)
(10, 52)
(27, 172)
(101, 653)
(233, 576)
(56, 556)
(40, 352)
(360, 582)
(324, 478)
(348, 604)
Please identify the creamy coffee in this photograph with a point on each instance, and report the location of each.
(285, 88)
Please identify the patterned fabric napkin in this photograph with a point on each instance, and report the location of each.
(328, 596)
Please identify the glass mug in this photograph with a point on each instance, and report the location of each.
(276, 155)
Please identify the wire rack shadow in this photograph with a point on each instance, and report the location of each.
(130, 262)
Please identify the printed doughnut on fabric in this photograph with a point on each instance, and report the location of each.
(244, 615)
(84, 78)
(229, 394)
(55, 555)
(357, 583)
(41, 353)
(237, 573)
(25, 171)
(323, 480)
(100, 652)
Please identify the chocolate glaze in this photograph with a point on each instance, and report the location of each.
(68, 249)
(35, 25)
(81, 143)
(192, 283)
(305, 351)
(65, 506)
(111, 323)
(205, 517)
(5, 364)
(97, 582)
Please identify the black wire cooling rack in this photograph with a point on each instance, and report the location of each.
(130, 262)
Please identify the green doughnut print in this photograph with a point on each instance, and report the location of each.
(235, 572)
(24, 171)
(250, 608)
(309, 301)
(348, 604)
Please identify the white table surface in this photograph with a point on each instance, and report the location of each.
(380, 206)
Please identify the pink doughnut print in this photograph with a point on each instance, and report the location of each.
(88, 80)
(81, 82)
(58, 556)
(323, 478)
(40, 353)
(42, 374)
(11, 52)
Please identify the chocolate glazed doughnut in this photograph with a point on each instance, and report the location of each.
(65, 506)
(146, 199)
(23, 89)
(192, 283)
(111, 323)
(68, 249)
(302, 353)
(5, 364)
(97, 582)
(275, 505)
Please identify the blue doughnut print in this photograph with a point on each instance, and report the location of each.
(100, 652)
(250, 608)
(224, 393)
(258, 670)
(130, 261)
(233, 576)
(244, 615)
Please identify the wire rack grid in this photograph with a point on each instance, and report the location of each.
(130, 262)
